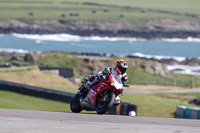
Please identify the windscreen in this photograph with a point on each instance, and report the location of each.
(117, 81)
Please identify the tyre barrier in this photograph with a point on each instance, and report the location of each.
(57, 95)
(124, 108)
(195, 102)
(185, 112)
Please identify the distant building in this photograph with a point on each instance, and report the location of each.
(64, 72)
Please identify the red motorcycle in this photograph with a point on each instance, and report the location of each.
(100, 97)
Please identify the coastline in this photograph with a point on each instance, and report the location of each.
(168, 60)
(86, 29)
(148, 34)
(186, 66)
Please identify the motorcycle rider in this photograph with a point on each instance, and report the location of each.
(119, 73)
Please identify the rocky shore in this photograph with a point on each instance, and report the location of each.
(148, 34)
(171, 61)
(186, 66)
(84, 28)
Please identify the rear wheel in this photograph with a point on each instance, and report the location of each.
(103, 107)
(75, 105)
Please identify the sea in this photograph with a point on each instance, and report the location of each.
(175, 48)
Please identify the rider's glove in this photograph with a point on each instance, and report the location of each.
(122, 89)
(104, 76)
(107, 77)
(92, 78)
(105, 72)
(125, 84)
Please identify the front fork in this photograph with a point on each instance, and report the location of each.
(83, 91)
(105, 95)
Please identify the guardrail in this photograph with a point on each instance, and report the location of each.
(63, 96)
(185, 112)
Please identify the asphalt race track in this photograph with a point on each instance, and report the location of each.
(24, 121)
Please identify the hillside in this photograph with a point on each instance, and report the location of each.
(37, 78)
(140, 71)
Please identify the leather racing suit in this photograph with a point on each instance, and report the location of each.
(93, 80)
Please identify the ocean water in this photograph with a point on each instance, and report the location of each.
(189, 47)
(175, 48)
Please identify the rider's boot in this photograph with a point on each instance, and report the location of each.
(117, 101)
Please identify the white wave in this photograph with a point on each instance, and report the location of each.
(113, 39)
(38, 41)
(184, 69)
(48, 37)
(189, 39)
(68, 37)
(13, 50)
(158, 57)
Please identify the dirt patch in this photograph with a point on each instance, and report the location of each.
(178, 97)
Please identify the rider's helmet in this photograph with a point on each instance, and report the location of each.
(121, 66)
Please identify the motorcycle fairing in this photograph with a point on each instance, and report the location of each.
(98, 89)
(86, 104)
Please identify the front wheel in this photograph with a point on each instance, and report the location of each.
(103, 107)
(75, 105)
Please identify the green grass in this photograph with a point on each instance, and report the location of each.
(4, 60)
(13, 100)
(169, 5)
(51, 10)
(155, 105)
(138, 76)
(62, 60)
(149, 105)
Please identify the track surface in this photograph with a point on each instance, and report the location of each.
(20, 121)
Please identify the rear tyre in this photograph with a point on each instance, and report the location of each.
(103, 107)
(75, 105)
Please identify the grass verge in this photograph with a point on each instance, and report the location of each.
(155, 105)
(149, 105)
(11, 100)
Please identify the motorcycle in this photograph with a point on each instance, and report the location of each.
(100, 97)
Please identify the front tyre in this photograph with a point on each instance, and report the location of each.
(75, 105)
(103, 107)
